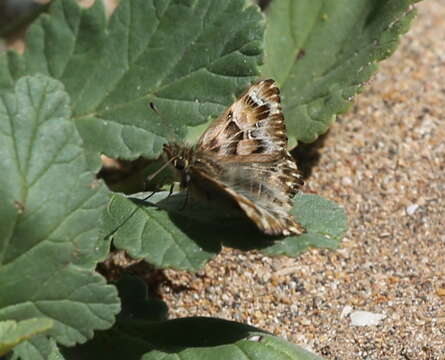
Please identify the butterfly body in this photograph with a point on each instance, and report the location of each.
(243, 156)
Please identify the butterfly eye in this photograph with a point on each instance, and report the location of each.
(180, 164)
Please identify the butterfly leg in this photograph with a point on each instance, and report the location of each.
(149, 196)
(170, 192)
(186, 198)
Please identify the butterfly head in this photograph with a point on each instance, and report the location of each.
(180, 158)
(180, 163)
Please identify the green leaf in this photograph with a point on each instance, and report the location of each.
(324, 221)
(13, 332)
(188, 58)
(39, 349)
(135, 337)
(321, 52)
(49, 218)
(146, 231)
(168, 235)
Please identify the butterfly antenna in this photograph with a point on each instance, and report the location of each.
(152, 176)
(156, 173)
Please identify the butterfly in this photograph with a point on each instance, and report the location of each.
(243, 156)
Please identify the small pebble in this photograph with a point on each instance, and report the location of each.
(255, 338)
(440, 291)
(365, 318)
(346, 311)
(410, 210)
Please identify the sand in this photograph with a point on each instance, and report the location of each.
(383, 162)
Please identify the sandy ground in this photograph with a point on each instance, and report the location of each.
(384, 163)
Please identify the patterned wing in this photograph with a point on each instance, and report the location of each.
(262, 190)
(245, 154)
(252, 125)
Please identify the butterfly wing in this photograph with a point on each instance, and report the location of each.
(244, 153)
(253, 124)
(257, 189)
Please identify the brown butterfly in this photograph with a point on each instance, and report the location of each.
(243, 156)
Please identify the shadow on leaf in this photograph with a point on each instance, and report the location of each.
(204, 224)
(167, 235)
(137, 332)
(308, 155)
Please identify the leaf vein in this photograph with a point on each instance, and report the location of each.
(304, 41)
(169, 232)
